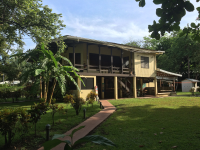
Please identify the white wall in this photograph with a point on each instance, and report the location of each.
(186, 85)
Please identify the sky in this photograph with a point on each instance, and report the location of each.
(117, 21)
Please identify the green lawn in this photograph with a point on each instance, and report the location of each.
(152, 124)
(63, 123)
(187, 93)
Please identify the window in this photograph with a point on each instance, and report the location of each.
(89, 83)
(117, 62)
(77, 58)
(105, 60)
(144, 62)
(126, 62)
(94, 59)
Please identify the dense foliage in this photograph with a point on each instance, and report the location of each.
(171, 13)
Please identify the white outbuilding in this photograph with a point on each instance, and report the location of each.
(187, 84)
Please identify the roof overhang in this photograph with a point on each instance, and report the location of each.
(164, 73)
(75, 39)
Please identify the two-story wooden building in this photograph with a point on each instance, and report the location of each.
(118, 70)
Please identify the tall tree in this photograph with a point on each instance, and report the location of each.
(27, 17)
(171, 13)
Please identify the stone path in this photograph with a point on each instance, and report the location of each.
(89, 124)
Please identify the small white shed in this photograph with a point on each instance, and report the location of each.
(187, 84)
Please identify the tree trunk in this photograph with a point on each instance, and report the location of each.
(54, 85)
(40, 86)
(77, 112)
(35, 129)
(6, 140)
(45, 92)
(47, 89)
(188, 67)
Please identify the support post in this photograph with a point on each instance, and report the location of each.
(120, 91)
(160, 84)
(87, 59)
(74, 55)
(99, 59)
(78, 81)
(155, 86)
(111, 61)
(134, 88)
(115, 88)
(102, 87)
(141, 87)
(131, 62)
(122, 60)
(174, 85)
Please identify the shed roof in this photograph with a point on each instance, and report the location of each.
(192, 80)
(120, 46)
(164, 73)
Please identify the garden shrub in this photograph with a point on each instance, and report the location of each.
(76, 102)
(55, 108)
(53, 101)
(91, 98)
(36, 111)
(8, 120)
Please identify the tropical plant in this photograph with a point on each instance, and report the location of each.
(53, 101)
(91, 98)
(36, 111)
(8, 120)
(68, 98)
(55, 108)
(49, 68)
(77, 104)
(70, 145)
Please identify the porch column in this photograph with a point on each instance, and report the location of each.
(111, 61)
(99, 59)
(79, 85)
(134, 88)
(174, 86)
(87, 59)
(74, 55)
(141, 87)
(120, 91)
(102, 87)
(155, 86)
(115, 88)
(122, 60)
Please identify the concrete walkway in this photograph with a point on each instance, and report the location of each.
(89, 124)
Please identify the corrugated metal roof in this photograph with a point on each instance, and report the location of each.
(192, 80)
(121, 46)
(167, 72)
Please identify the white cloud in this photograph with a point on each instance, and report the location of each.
(114, 30)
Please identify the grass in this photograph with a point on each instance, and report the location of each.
(152, 124)
(187, 93)
(63, 123)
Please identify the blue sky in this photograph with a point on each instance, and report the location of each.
(108, 20)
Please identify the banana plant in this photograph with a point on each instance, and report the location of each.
(70, 145)
(46, 66)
